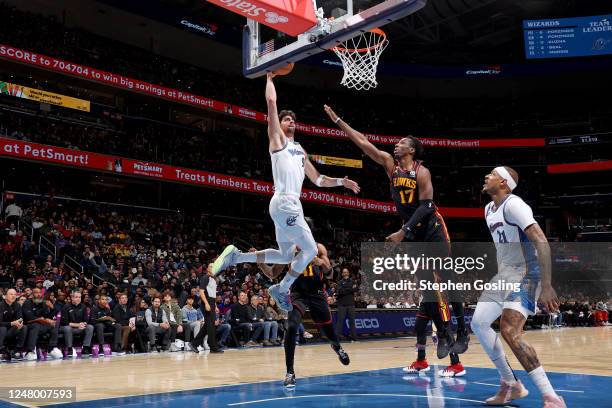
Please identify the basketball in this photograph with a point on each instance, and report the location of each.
(284, 70)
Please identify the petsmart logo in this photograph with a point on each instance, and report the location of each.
(148, 169)
(366, 323)
(252, 10)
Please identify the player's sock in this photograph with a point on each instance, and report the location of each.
(246, 257)
(421, 352)
(330, 333)
(454, 358)
(504, 369)
(287, 281)
(458, 312)
(540, 379)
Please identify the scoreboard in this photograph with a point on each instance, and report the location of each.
(568, 37)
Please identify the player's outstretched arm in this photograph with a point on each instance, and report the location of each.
(324, 181)
(548, 296)
(379, 156)
(275, 134)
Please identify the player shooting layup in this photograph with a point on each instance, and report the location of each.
(517, 237)
(289, 164)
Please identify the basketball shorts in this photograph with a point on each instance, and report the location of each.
(523, 297)
(315, 304)
(428, 310)
(288, 216)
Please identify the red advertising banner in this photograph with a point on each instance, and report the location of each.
(130, 167)
(579, 167)
(291, 17)
(120, 81)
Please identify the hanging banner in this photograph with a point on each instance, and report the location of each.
(130, 167)
(175, 95)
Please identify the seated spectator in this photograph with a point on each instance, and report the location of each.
(175, 318)
(192, 316)
(39, 318)
(256, 316)
(11, 326)
(157, 323)
(74, 320)
(102, 320)
(240, 316)
(271, 323)
(223, 329)
(140, 311)
(125, 317)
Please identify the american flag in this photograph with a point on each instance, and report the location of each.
(266, 48)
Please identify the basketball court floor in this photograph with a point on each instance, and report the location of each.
(578, 360)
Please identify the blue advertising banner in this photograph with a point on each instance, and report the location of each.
(379, 321)
(568, 37)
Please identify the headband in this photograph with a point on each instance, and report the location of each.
(503, 173)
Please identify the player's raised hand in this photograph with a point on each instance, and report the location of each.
(351, 185)
(548, 297)
(330, 112)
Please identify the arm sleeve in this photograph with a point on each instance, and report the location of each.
(424, 210)
(517, 212)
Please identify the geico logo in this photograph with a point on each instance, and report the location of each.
(366, 323)
(409, 321)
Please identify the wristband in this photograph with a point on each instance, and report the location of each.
(339, 182)
(337, 120)
(319, 180)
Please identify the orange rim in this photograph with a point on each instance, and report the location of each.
(383, 38)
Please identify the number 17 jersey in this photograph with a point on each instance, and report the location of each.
(404, 190)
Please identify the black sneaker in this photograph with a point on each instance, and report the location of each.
(217, 350)
(86, 351)
(16, 356)
(462, 342)
(342, 355)
(444, 346)
(289, 380)
(191, 348)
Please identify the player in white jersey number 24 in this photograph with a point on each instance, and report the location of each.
(290, 164)
(523, 256)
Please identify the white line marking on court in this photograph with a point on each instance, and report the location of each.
(353, 395)
(497, 385)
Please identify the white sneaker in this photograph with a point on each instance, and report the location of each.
(119, 353)
(56, 353)
(201, 349)
(188, 347)
(307, 335)
(173, 348)
(31, 356)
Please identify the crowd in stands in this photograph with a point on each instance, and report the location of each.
(132, 281)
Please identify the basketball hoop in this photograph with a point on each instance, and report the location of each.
(359, 56)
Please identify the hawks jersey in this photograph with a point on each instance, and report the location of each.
(288, 168)
(310, 282)
(405, 191)
(507, 224)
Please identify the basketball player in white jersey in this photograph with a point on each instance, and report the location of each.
(523, 256)
(289, 165)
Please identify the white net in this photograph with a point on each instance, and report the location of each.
(359, 56)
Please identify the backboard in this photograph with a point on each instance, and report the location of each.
(265, 49)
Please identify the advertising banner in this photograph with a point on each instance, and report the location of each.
(19, 91)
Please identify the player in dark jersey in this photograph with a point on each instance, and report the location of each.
(412, 193)
(308, 293)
